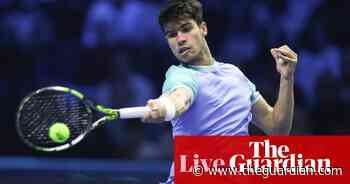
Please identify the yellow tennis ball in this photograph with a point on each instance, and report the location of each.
(59, 132)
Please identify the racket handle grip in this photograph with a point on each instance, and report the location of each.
(133, 112)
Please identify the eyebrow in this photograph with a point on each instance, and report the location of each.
(181, 26)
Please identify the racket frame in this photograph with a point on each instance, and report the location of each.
(110, 115)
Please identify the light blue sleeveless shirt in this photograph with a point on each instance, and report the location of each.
(221, 104)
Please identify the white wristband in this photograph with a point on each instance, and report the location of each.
(169, 107)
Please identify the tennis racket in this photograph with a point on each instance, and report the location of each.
(42, 108)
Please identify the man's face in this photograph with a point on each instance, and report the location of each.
(186, 39)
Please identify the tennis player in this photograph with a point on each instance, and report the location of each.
(203, 96)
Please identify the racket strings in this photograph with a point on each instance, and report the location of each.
(42, 110)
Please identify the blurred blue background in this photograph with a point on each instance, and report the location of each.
(114, 52)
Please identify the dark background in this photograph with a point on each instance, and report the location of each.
(114, 52)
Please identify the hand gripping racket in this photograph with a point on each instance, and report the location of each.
(42, 108)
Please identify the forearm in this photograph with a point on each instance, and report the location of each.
(168, 106)
(181, 98)
(282, 114)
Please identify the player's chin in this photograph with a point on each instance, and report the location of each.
(187, 59)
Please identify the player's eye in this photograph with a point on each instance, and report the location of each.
(171, 34)
(187, 28)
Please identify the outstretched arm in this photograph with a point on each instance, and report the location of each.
(169, 106)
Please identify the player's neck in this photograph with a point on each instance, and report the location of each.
(205, 58)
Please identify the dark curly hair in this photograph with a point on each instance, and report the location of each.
(176, 10)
